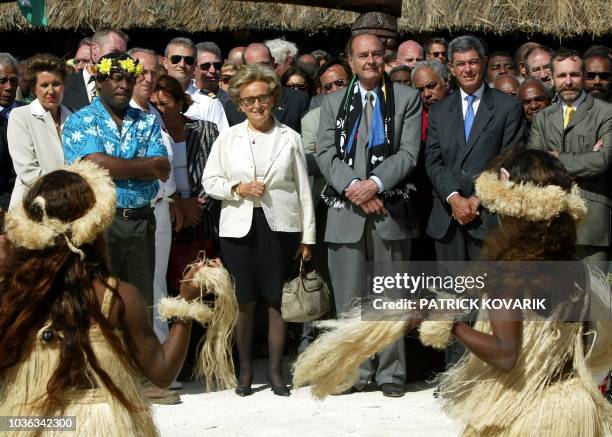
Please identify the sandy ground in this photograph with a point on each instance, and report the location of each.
(264, 414)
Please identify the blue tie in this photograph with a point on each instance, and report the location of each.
(469, 116)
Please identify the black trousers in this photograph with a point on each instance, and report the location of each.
(131, 246)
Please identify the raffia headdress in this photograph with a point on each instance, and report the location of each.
(23, 231)
(528, 201)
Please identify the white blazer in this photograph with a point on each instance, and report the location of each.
(34, 144)
(287, 201)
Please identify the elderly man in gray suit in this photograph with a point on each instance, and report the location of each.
(577, 129)
(368, 145)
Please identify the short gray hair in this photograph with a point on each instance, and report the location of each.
(180, 41)
(463, 44)
(210, 47)
(132, 52)
(436, 66)
(6, 59)
(281, 49)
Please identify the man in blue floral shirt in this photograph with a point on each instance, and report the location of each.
(127, 142)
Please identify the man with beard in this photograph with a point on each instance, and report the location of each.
(598, 74)
(533, 98)
(578, 130)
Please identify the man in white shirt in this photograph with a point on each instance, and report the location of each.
(179, 61)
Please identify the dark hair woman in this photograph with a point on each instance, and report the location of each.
(298, 79)
(526, 369)
(73, 340)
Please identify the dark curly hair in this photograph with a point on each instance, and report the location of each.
(522, 240)
(56, 286)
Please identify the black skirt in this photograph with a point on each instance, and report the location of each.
(260, 261)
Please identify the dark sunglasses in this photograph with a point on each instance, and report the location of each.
(339, 83)
(14, 80)
(603, 75)
(226, 79)
(297, 86)
(436, 54)
(189, 60)
(206, 65)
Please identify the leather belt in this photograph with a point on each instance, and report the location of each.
(134, 213)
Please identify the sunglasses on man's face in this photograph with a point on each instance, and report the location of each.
(339, 84)
(189, 60)
(603, 75)
(206, 66)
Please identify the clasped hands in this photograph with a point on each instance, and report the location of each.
(365, 195)
(464, 209)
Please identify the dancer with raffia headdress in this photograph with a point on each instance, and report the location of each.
(525, 375)
(74, 341)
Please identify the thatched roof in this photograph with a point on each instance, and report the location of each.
(558, 17)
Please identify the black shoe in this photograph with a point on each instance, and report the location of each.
(392, 390)
(244, 390)
(281, 390)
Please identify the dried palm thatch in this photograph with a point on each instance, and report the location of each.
(562, 18)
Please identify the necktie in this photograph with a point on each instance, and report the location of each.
(468, 120)
(569, 113)
(368, 109)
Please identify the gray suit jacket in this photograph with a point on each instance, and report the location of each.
(591, 122)
(346, 225)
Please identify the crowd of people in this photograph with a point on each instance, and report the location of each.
(268, 155)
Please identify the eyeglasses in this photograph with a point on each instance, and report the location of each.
(189, 60)
(297, 86)
(153, 73)
(603, 75)
(264, 99)
(436, 54)
(226, 78)
(542, 69)
(339, 84)
(14, 80)
(206, 65)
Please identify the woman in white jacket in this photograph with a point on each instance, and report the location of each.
(258, 169)
(34, 131)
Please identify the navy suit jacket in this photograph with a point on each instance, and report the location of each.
(452, 164)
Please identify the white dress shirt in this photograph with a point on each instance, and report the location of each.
(464, 108)
(166, 189)
(206, 109)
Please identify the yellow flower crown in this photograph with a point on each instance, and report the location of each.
(106, 66)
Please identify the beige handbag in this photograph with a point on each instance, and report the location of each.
(305, 297)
